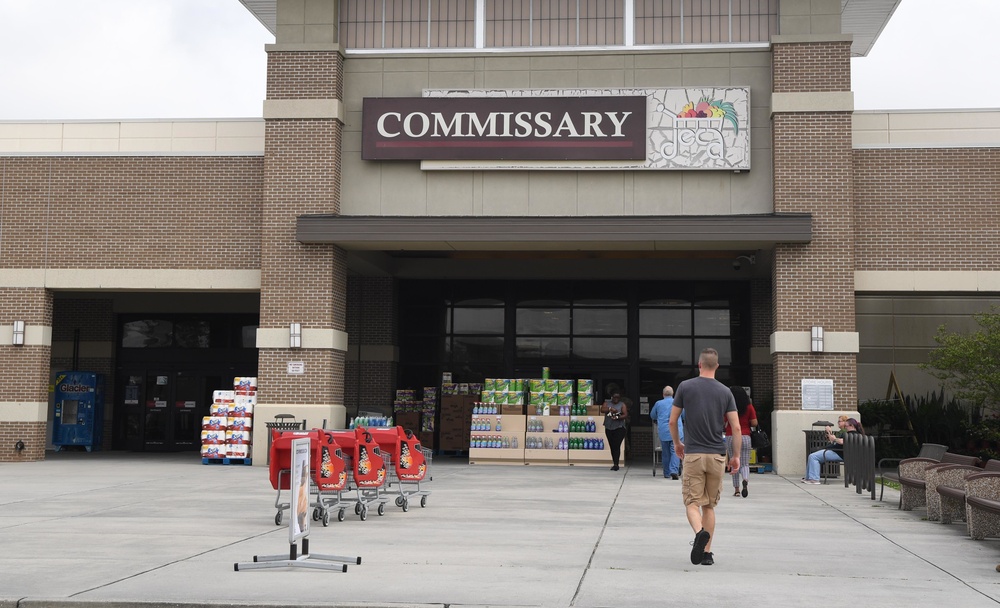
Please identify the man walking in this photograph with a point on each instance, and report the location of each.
(660, 415)
(706, 404)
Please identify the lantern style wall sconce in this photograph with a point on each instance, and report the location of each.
(18, 337)
(817, 339)
(295, 335)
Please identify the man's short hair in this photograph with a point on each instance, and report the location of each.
(668, 392)
(709, 358)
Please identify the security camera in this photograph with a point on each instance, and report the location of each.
(738, 264)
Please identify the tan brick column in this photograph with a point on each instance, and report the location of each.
(24, 382)
(305, 284)
(813, 285)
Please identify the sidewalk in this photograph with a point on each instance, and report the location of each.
(139, 529)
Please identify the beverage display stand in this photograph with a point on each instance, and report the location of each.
(491, 429)
(549, 438)
(590, 457)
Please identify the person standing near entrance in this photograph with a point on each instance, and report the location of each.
(748, 419)
(707, 405)
(615, 417)
(660, 415)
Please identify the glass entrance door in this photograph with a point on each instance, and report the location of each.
(163, 409)
(188, 408)
(158, 413)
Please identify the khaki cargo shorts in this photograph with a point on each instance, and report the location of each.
(702, 479)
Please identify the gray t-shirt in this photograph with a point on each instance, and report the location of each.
(705, 402)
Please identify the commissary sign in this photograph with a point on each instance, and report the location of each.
(522, 128)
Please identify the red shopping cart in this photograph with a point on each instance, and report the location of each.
(328, 467)
(366, 469)
(411, 463)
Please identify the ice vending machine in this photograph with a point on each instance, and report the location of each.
(79, 410)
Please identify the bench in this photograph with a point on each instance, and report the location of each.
(982, 505)
(934, 451)
(913, 480)
(951, 481)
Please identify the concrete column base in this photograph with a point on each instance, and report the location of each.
(314, 414)
(788, 442)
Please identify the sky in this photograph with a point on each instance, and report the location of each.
(171, 59)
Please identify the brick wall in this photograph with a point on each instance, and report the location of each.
(31, 433)
(25, 372)
(372, 320)
(790, 368)
(813, 284)
(927, 209)
(93, 317)
(813, 67)
(761, 381)
(130, 212)
(305, 75)
(31, 305)
(304, 284)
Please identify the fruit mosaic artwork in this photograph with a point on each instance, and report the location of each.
(706, 108)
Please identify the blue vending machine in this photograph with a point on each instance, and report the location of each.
(79, 411)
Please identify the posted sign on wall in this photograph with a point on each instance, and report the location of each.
(536, 128)
(579, 129)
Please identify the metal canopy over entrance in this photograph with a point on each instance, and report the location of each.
(634, 233)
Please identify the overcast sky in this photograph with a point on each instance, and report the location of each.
(101, 59)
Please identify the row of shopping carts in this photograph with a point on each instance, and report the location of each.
(353, 467)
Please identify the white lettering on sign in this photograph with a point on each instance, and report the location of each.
(499, 124)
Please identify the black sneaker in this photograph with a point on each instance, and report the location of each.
(744, 492)
(708, 560)
(698, 550)
(673, 476)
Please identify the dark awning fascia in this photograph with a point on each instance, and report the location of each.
(497, 233)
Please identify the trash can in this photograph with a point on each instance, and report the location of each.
(282, 422)
(816, 440)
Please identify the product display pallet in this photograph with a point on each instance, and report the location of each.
(762, 468)
(244, 461)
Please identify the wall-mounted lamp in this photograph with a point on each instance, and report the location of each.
(18, 339)
(295, 335)
(738, 262)
(817, 339)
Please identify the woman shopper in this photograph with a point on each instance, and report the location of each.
(748, 418)
(615, 418)
(831, 453)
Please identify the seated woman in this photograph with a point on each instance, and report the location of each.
(831, 453)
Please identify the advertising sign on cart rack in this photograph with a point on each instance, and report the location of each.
(298, 524)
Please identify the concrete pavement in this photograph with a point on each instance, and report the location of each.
(124, 529)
